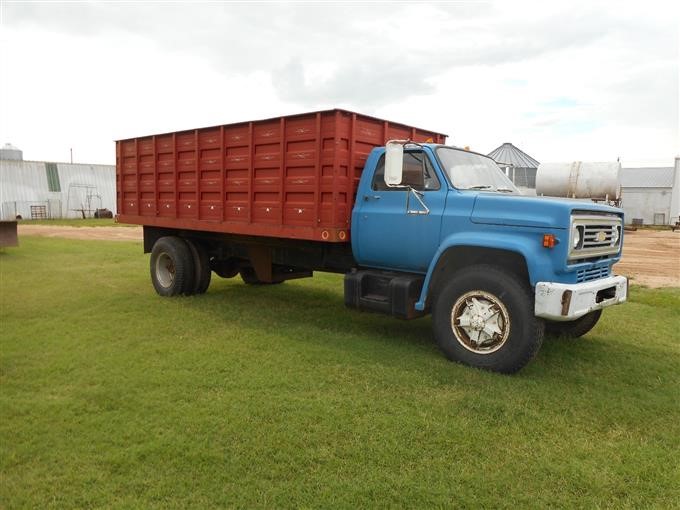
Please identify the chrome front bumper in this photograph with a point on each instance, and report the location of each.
(567, 302)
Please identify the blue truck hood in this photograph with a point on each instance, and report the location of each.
(523, 211)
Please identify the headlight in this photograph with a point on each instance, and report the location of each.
(615, 235)
(576, 238)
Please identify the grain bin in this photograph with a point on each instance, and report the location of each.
(11, 153)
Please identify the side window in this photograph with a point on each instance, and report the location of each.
(418, 173)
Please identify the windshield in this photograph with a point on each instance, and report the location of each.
(468, 170)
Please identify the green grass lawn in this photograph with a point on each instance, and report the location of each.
(111, 396)
(77, 222)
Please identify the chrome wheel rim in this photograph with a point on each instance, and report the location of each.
(165, 270)
(480, 322)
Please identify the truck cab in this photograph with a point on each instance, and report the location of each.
(440, 229)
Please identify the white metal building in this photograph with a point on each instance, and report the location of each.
(650, 196)
(39, 189)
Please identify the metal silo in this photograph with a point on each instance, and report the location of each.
(10, 153)
(517, 164)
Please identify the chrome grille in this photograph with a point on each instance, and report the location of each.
(597, 236)
(592, 273)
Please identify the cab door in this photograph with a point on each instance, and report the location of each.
(399, 228)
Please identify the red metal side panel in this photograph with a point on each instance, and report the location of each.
(165, 163)
(146, 176)
(331, 214)
(237, 171)
(344, 181)
(291, 176)
(119, 176)
(210, 202)
(128, 177)
(186, 178)
(266, 177)
(301, 170)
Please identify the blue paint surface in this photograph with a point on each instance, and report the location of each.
(384, 236)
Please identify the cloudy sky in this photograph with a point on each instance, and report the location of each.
(564, 81)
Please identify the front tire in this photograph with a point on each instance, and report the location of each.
(484, 317)
(172, 267)
(575, 328)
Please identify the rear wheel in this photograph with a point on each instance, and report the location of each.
(484, 318)
(575, 328)
(201, 267)
(172, 267)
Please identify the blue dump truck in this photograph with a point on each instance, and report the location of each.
(416, 227)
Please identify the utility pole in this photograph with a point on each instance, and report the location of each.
(71, 149)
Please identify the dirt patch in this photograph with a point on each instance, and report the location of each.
(98, 233)
(650, 258)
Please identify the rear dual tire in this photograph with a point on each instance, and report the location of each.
(202, 270)
(178, 267)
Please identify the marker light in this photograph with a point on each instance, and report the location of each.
(549, 241)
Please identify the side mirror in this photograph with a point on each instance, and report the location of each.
(394, 162)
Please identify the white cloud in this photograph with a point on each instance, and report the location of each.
(562, 81)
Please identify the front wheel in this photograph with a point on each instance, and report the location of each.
(484, 318)
(575, 328)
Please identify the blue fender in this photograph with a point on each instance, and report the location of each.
(538, 260)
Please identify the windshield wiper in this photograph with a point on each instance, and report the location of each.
(505, 190)
(479, 186)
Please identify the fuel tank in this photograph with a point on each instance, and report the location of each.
(579, 179)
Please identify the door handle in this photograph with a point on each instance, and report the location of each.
(371, 197)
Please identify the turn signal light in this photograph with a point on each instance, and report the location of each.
(549, 241)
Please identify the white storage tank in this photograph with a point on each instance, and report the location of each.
(579, 179)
